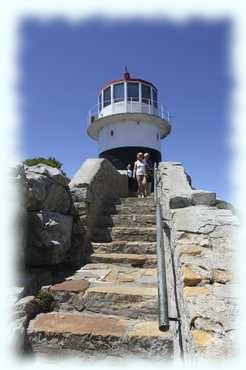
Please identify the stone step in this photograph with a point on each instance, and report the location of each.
(132, 200)
(115, 274)
(125, 247)
(146, 234)
(129, 209)
(148, 201)
(129, 300)
(97, 334)
(127, 219)
(138, 260)
(76, 293)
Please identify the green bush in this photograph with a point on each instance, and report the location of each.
(51, 161)
(45, 300)
(222, 204)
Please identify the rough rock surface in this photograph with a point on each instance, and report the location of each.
(205, 220)
(204, 241)
(24, 310)
(49, 238)
(47, 189)
(60, 214)
(55, 220)
(95, 185)
(48, 223)
(178, 189)
(99, 334)
(109, 306)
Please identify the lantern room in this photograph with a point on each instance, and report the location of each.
(128, 118)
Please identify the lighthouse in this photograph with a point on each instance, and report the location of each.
(128, 119)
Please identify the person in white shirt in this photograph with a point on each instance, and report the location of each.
(139, 172)
(129, 171)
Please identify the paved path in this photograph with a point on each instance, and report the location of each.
(110, 306)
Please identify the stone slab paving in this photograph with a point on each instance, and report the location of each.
(116, 274)
(110, 305)
(95, 333)
(126, 233)
(127, 219)
(126, 258)
(125, 247)
(130, 209)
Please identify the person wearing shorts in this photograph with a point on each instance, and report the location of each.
(139, 173)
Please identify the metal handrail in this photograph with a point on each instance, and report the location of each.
(161, 264)
(131, 105)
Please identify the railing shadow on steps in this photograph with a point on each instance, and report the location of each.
(161, 264)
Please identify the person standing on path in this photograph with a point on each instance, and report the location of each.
(130, 178)
(149, 172)
(139, 173)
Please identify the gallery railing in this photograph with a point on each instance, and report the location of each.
(131, 105)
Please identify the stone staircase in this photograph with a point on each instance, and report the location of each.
(109, 306)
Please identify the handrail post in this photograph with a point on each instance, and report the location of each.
(161, 264)
(155, 183)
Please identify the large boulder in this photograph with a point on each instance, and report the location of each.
(178, 189)
(43, 216)
(205, 220)
(49, 237)
(47, 189)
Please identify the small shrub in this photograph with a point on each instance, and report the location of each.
(45, 300)
(222, 204)
(50, 161)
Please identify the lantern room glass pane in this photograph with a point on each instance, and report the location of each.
(100, 102)
(146, 94)
(155, 98)
(107, 96)
(118, 92)
(132, 91)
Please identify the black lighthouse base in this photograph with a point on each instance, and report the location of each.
(121, 157)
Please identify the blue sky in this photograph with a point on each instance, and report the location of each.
(63, 65)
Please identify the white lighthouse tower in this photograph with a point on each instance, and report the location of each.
(128, 119)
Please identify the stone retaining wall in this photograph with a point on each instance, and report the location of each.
(96, 184)
(203, 244)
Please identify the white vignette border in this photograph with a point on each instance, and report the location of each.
(74, 10)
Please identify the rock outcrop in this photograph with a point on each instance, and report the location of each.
(47, 188)
(204, 239)
(178, 189)
(58, 215)
(107, 300)
(96, 184)
(48, 223)
(55, 221)
(49, 238)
